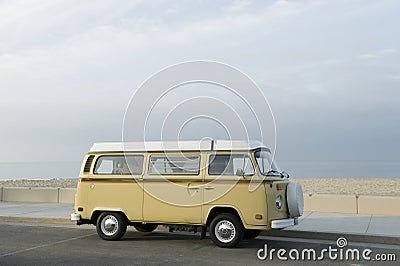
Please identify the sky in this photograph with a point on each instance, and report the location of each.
(330, 71)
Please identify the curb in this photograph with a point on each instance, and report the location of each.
(12, 219)
(333, 236)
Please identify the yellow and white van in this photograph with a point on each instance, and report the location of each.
(230, 188)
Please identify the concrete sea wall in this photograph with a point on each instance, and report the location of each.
(25, 194)
(352, 204)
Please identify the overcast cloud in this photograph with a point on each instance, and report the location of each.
(330, 69)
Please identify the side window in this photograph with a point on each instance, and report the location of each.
(119, 165)
(229, 164)
(173, 165)
(104, 166)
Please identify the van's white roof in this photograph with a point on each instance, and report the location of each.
(203, 145)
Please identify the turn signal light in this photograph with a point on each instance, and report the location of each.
(258, 216)
(80, 209)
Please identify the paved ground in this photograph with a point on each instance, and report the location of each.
(35, 244)
(40, 233)
(36, 210)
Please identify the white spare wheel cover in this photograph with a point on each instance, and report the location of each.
(295, 200)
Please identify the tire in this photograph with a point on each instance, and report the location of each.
(294, 198)
(251, 233)
(226, 230)
(145, 227)
(111, 226)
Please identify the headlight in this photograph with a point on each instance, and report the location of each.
(278, 202)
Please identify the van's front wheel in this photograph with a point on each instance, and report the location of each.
(111, 226)
(226, 230)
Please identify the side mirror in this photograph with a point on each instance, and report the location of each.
(240, 172)
(284, 174)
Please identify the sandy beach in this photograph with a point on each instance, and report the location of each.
(57, 183)
(347, 186)
(351, 186)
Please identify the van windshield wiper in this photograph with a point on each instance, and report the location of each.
(273, 172)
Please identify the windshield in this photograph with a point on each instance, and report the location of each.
(265, 163)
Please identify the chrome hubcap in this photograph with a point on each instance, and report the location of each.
(109, 225)
(225, 231)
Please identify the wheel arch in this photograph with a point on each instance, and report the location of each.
(96, 213)
(216, 210)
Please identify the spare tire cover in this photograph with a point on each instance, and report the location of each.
(294, 197)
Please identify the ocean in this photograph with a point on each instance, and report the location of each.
(296, 169)
(39, 170)
(342, 169)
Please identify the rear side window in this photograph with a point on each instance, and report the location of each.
(229, 164)
(119, 165)
(174, 164)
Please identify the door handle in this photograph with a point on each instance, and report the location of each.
(193, 188)
(209, 188)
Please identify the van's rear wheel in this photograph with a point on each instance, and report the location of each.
(226, 230)
(145, 227)
(111, 226)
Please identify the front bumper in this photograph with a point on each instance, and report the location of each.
(75, 217)
(283, 223)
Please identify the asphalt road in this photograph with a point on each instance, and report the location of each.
(35, 244)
